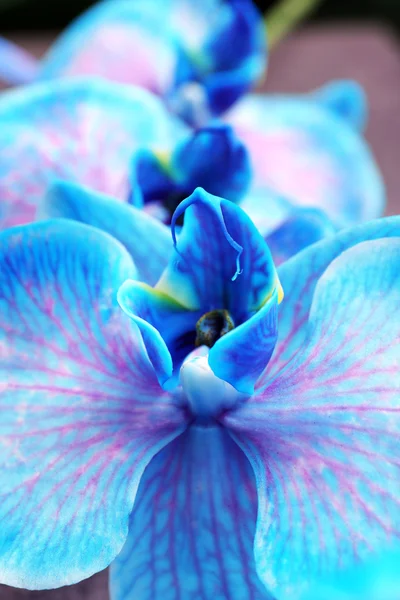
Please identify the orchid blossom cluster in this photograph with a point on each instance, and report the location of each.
(199, 360)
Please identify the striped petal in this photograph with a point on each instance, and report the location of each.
(85, 131)
(191, 532)
(300, 275)
(324, 435)
(82, 411)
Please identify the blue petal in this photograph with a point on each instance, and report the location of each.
(376, 579)
(220, 261)
(267, 209)
(299, 277)
(212, 158)
(128, 42)
(238, 38)
(82, 412)
(240, 356)
(147, 240)
(324, 435)
(192, 530)
(163, 318)
(237, 50)
(85, 131)
(225, 88)
(305, 226)
(152, 174)
(303, 150)
(216, 160)
(16, 65)
(346, 99)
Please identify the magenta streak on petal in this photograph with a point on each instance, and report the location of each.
(324, 435)
(183, 206)
(81, 407)
(275, 154)
(65, 154)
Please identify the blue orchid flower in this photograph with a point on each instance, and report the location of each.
(117, 139)
(207, 445)
(122, 142)
(199, 56)
(212, 158)
(310, 149)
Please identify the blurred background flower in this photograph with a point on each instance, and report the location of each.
(319, 40)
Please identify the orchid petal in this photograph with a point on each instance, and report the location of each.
(147, 240)
(300, 275)
(221, 261)
(79, 130)
(267, 209)
(242, 355)
(306, 152)
(305, 226)
(346, 99)
(237, 39)
(127, 42)
(16, 65)
(82, 412)
(214, 159)
(163, 317)
(323, 437)
(238, 52)
(192, 529)
(153, 176)
(211, 157)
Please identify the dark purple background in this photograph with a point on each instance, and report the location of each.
(308, 59)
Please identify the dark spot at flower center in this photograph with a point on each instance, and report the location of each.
(172, 200)
(212, 326)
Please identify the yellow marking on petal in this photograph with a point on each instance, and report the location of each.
(281, 293)
(161, 296)
(164, 159)
(200, 60)
(275, 289)
(187, 296)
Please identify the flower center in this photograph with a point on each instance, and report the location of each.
(171, 201)
(207, 395)
(212, 326)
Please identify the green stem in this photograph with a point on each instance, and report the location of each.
(284, 17)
